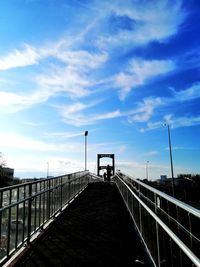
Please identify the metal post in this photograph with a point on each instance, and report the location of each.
(86, 133)
(147, 174)
(170, 150)
(47, 169)
(29, 212)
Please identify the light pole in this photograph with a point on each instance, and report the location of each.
(86, 134)
(147, 174)
(47, 169)
(171, 161)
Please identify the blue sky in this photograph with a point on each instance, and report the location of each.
(119, 69)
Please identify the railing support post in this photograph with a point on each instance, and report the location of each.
(29, 213)
(49, 200)
(157, 230)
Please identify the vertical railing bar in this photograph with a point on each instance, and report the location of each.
(61, 192)
(157, 233)
(9, 223)
(1, 202)
(54, 195)
(180, 252)
(40, 198)
(29, 212)
(35, 207)
(17, 220)
(44, 204)
(48, 201)
(24, 212)
(190, 230)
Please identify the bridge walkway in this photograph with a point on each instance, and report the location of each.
(95, 230)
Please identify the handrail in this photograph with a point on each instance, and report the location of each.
(157, 227)
(175, 201)
(43, 180)
(28, 207)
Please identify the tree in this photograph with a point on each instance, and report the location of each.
(5, 179)
(2, 160)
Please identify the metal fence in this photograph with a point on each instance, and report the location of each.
(169, 228)
(26, 208)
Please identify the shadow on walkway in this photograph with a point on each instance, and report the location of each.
(95, 230)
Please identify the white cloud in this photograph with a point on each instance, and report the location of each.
(151, 153)
(28, 56)
(74, 117)
(191, 93)
(145, 110)
(36, 166)
(175, 122)
(185, 121)
(65, 80)
(140, 72)
(82, 58)
(64, 135)
(152, 21)
(13, 102)
(15, 141)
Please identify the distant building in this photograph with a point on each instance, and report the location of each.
(6, 176)
(163, 178)
(8, 172)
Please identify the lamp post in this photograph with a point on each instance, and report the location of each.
(86, 134)
(147, 174)
(47, 169)
(171, 161)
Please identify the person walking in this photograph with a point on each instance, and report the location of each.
(108, 169)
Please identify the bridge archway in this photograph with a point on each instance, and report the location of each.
(101, 167)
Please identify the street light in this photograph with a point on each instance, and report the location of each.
(86, 134)
(47, 169)
(170, 151)
(147, 174)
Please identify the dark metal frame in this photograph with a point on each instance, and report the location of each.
(99, 167)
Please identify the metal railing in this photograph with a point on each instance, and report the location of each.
(169, 228)
(26, 208)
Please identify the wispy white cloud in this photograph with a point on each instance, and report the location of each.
(68, 75)
(20, 58)
(81, 58)
(139, 72)
(64, 135)
(191, 93)
(72, 115)
(151, 153)
(175, 122)
(11, 102)
(65, 80)
(181, 148)
(16, 141)
(30, 166)
(145, 110)
(78, 114)
(152, 21)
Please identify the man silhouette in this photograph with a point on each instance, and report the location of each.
(108, 168)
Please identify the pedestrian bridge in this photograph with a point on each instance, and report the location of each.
(80, 220)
